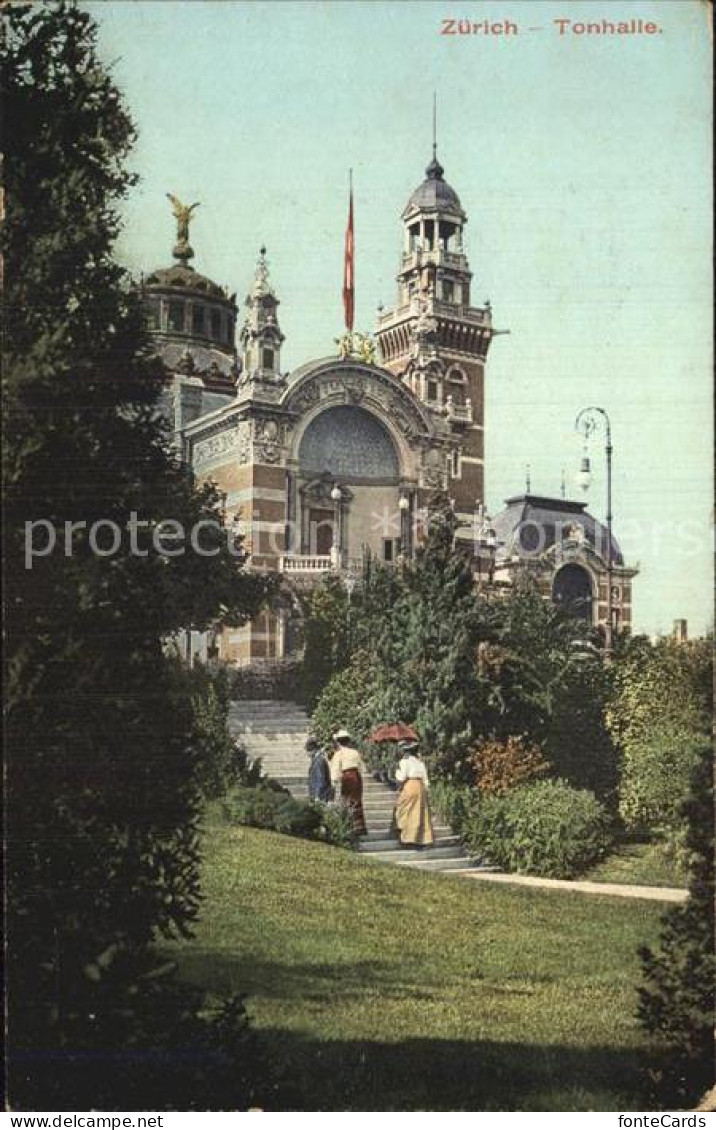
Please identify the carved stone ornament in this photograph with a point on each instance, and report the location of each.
(269, 435)
(308, 397)
(433, 472)
(355, 391)
(215, 446)
(243, 446)
(268, 453)
(395, 409)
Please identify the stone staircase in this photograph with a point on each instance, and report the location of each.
(277, 731)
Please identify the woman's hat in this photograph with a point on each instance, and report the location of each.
(341, 735)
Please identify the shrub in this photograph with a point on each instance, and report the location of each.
(546, 828)
(453, 802)
(337, 825)
(656, 775)
(347, 701)
(154, 1042)
(677, 999)
(327, 638)
(382, 759)
(269, 807)
(502, 765)
(577, 742)
(265, 679)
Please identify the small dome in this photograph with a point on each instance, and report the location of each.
(434, 193)
(183, 277)
(529, 525)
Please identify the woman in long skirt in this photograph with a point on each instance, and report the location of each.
(347, 770)
(412, 812)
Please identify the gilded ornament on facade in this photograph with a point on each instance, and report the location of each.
(353, 344)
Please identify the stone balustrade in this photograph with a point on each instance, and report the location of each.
(306, 563)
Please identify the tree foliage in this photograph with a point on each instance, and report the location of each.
(103, 797)
(415, 631)
(678, 998)
(502, 765)
(659, 715)
(326, 638)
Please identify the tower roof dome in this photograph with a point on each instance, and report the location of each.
(434, 194)
(184, 277)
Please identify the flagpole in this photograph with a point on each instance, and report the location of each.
(349, 262)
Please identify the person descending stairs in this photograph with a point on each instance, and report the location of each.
(276, 732)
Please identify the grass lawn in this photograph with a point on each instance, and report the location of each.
(643, 864)
(377, 988)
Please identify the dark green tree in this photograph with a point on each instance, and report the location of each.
(327, 645)
(426, 626)
(678, 998)
(103, 799)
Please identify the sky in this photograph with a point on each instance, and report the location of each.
(581, 159)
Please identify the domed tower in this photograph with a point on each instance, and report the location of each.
(434, 340)
(191, 319)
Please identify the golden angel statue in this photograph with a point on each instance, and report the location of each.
(183, 214)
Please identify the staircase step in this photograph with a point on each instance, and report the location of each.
(439, 865)
(382, 832)
(394, 847)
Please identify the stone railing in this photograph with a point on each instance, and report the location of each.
(459, 411)
(305, 563)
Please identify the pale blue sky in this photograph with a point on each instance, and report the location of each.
(582, 162)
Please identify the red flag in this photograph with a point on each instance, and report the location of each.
(348, 268)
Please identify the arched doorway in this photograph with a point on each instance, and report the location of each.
(347, 447)
(572, 591)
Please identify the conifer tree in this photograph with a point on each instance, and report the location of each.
(431, 643)
(103, 806)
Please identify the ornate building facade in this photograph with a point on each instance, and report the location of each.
(342, 454)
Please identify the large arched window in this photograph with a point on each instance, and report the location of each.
(349, 444)
(572, 590)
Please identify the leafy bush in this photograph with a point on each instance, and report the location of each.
(269, 805)
(382, 759)
(660, 686)
(347, 701)
(577, 742)
(677, 1000)
(546, 828)
(502, 765)
(656, 775)
(337, 825)
(327, 638)
(453, 802)
(220, 760)
(273, 808)
(154, 1043)
(265, 679)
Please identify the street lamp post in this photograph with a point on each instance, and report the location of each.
(404, 506)
(485, 543)
(337, 495)
(588, 421)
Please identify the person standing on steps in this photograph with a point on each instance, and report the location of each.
(347, 772)
(319, 773)
(412, 811)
